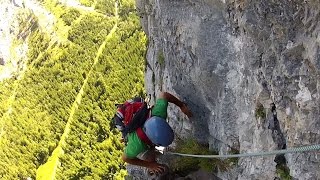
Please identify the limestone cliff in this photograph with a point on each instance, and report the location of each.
(249, 70)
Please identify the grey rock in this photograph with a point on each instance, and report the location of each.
(2, 61)
(226, 58)
(200, 174)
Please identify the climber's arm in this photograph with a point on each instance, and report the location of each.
(153, 166)
(172, 99)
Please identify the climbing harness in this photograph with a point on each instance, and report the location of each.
(283, 151)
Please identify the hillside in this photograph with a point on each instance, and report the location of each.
(69, 64)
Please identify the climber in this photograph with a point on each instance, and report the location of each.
(140, 148)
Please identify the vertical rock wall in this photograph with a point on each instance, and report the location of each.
(249, 70)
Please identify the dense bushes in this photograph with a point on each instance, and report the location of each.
(91, 31)
(44, 97)
(127, 7)
(39, 43)
(105, 7)
(70, 15)
(87, 2)
(112, 81)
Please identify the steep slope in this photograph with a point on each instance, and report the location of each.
(48, 170)
(249, 70)
(64, 97)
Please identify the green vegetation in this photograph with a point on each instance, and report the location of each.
(70, 15)
(183, 165)
(38, 42)
(105, 7)
(260, 112)
(283, 172)
(87, 2)
(233, 161)
(126, 8)
(70, 80)
(160, 58)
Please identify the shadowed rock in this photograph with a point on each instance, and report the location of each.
(2, 61)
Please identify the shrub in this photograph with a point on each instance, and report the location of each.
(260, 111)
(183, 165)
(70, 15)
(283, 172)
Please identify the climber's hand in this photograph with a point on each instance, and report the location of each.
(184, 108)
(156, 168)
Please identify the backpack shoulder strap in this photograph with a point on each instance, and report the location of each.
(143, 136)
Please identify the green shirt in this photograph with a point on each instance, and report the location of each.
(135, 146)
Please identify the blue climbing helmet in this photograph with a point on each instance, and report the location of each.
(158, 131)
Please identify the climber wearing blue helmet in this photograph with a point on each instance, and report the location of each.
(158, 131)
(155, 132)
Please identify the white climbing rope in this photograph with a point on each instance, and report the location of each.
(283, 151)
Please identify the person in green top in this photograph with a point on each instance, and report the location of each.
(157, 130)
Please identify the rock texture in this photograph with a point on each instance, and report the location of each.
(13, 47)
(249, 70)
(2, 61)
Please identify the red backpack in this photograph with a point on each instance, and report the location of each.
(131, 116)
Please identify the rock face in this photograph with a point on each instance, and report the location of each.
(250, 72)
(13, 44)
(1, 61)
